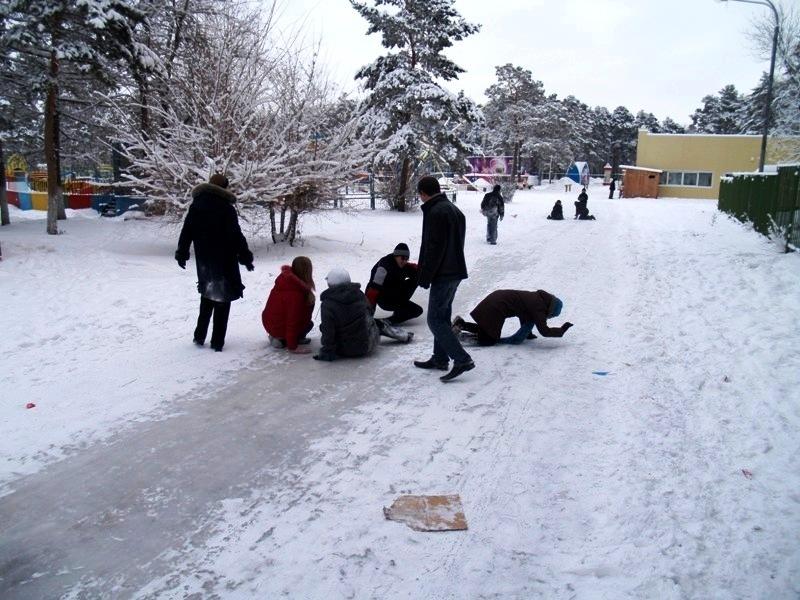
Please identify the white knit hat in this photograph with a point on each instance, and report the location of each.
(337, 277)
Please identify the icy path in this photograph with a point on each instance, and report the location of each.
(574, 485)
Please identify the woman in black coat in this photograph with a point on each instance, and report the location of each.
(212, 225)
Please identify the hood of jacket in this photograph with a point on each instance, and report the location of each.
(208, 190)
(347, 293)
(287, 280)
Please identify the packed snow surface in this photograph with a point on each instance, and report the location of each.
(150, 468)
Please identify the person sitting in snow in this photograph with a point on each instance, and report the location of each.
(346, 323)
(493, 208)
(212, 225)
(287, 315)
(582, 213)
(582, 204)
(533, 309)
(557, 214)
(392, 282)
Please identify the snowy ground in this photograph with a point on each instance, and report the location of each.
(153, 469)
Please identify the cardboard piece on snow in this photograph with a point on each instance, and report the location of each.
(428, 513)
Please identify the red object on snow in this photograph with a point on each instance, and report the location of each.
(287, 313)
(30, 405)
(747, 473)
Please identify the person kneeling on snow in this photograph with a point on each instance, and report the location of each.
(533, 309)
(557, 214)
(392, 283)
(346, 323)
(287, 314)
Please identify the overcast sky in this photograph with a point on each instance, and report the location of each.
(662, 56)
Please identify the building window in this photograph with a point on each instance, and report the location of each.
(686, 178)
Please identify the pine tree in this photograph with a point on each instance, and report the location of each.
(648, 121)
(67, 36)
(406, 107)
(721, 113)
(668, 125)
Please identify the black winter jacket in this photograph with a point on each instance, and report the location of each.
(493, 202)
(441, 255)
(212, 225)
(391, 283)
(346, 322)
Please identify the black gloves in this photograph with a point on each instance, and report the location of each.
(181, 263)
(249, 267)
(565, 326)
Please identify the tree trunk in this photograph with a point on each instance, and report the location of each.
(283, 222)
(4, 217)
(405, 173)
(50, 153)
(515, 164)
(292, 229)
(272, 228)
(62, 213)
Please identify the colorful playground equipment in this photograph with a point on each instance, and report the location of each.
(28, 191)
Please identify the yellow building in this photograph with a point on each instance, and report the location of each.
(692, 164)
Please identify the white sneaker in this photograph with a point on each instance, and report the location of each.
(276, 343)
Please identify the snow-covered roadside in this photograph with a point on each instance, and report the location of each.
(96, 323)
(636, 485)
(629, 485)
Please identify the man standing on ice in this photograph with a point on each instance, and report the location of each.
(212, 225)
(442, 267)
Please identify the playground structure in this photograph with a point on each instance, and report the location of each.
(28, 190)
(579, 172)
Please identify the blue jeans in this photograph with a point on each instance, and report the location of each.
(491, 229)
(440, 311)
(520, 336)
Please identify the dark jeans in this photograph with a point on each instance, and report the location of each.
(440, 311)
(403, 310)
(491, 229)
(220, 310)
(484, 339)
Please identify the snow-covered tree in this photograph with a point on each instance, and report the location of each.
(406, 105)
(60, 37)
(721, 113)
(668, 125)
(513, 101)
(648, 121)
(241, 105)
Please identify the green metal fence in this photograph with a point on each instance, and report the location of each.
(770, 201)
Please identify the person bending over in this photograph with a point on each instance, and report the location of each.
(533, 309)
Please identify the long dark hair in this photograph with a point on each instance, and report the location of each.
(304, 270)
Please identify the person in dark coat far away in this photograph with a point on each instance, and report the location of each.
(287, 315)
(611, 188)
(533, 309)
(212, 225)
(557, 214)
(493, 207)
(581, 207)
(392, 282)
(442, 267)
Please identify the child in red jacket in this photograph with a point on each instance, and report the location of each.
(287, 315)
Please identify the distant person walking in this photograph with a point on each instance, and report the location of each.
(442, 267)
(212, 225)
(493, 207)
(612, 188)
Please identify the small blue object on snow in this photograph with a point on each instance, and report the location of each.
(603, 373)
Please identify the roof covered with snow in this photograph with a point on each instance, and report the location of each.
(635, 168)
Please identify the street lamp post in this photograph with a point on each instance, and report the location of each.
(768, 105)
